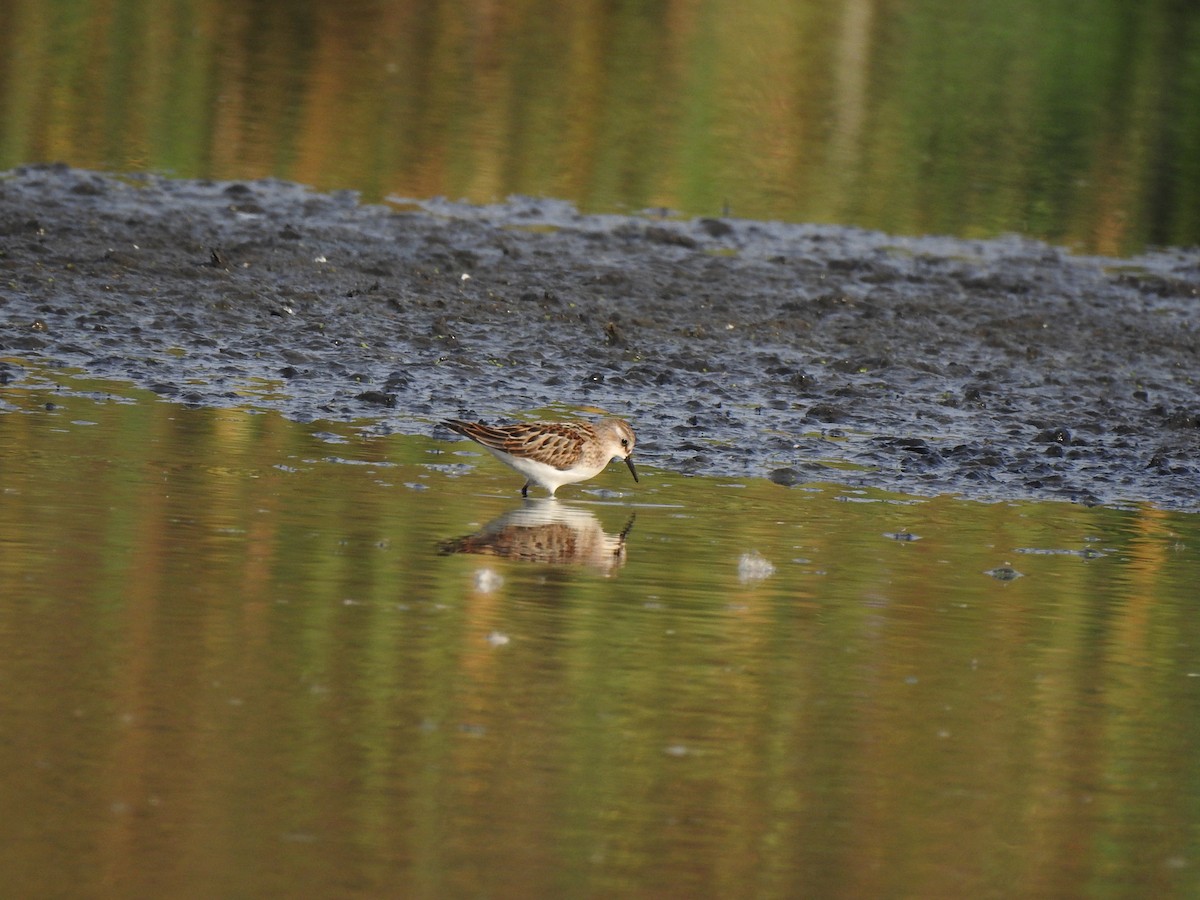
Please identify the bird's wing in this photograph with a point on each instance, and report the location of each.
(557, 444)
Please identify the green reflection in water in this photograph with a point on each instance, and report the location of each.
(243, 656)
(1079, 123)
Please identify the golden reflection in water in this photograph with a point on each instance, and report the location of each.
(912, 118)
(233, 660)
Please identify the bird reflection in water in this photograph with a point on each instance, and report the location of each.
(546, 531)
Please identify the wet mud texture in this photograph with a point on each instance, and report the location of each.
(1001, 369)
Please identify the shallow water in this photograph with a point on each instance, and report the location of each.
(1075, 123)
(244, 655)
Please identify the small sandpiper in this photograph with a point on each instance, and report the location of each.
(552, 454)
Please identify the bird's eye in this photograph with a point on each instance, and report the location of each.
(624, 442)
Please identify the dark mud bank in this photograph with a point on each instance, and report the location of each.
(995, 369)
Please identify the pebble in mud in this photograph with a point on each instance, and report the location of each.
(741, 349)
(1004, 573)
(786, 476)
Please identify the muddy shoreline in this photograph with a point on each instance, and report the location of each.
(999, 369)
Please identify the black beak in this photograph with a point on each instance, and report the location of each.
(632, 470)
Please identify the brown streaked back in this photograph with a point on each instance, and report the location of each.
(557, 444)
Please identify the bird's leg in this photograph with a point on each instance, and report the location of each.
(525, 490)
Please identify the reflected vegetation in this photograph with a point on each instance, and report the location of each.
(234, 660)
(548, 532)
(1075, 123)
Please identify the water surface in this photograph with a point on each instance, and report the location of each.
(1077, 123)
(240, 655)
